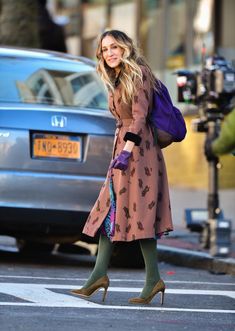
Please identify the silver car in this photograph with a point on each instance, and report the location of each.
(56, 139)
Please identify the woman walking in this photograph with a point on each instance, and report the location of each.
(133, 203)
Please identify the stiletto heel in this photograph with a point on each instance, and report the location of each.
(102, 282)
(104, 294)
(159, 287)
(162, 296)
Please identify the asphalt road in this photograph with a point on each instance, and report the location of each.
(35, 295)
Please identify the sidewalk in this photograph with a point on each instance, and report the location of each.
(182, 247)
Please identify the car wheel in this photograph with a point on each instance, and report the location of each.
(31, 248)
(127, 255)
(73, 249)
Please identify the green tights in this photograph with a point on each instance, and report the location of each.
(105, 249)
(149, 251)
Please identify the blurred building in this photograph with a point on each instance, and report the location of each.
(171, 34)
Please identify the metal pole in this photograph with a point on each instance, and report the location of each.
(165, 34)
(213, 197)
(213, 127)
(80, 11)
(139, 13)
(188, 38)
(108, 14)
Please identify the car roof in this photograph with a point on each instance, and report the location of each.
(33, 53)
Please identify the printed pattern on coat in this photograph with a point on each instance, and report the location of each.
(142, 194)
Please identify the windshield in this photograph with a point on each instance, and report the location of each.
(43, 81)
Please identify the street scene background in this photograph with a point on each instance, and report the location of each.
(171, 34)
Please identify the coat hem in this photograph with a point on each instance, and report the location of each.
(139, 237)
(145, 236)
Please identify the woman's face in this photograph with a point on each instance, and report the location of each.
(112, 53)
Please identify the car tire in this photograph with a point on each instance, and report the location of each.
(26, 247)
(127, 255)
(72, 249)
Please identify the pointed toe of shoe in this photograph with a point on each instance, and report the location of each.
(159, 287)
(137, 301)
(80, 292)
(103, 282)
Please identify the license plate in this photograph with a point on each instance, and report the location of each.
(56, 146)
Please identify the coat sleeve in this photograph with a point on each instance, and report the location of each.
(225, 143)
(140, 107)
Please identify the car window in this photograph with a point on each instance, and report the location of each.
(66, 83)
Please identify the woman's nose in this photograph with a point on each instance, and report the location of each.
(110, 52)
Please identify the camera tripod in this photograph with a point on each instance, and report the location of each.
(216, 230)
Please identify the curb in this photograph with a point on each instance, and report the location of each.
(200, 260)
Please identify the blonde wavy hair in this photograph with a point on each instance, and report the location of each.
(130, 75)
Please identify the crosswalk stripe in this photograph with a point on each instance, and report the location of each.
(192, 310)
(42, 295)
(114, 280)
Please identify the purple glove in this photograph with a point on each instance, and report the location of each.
(121, 161)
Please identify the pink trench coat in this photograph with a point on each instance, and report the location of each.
(142, 196)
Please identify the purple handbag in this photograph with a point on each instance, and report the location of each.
(167, 120)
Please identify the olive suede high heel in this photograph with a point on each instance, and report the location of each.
(102, 282)
(159, 287)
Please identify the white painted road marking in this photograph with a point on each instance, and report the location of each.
(42, 295)
(115, 280)
(39, 294)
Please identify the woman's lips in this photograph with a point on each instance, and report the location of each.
(112, 60)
